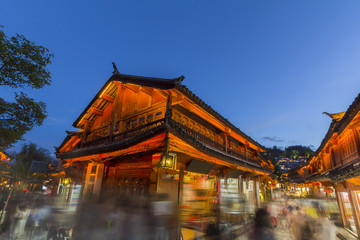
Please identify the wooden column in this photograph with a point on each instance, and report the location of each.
(181, 185)
(354, 208)
(357, 140)
(241, 185)
(93, 181)
(341, 206)
(113, 122)
(246, 152)
(226, 142)
(256, 192)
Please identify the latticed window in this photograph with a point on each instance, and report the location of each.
(141, 120)
(203, 130)
(197, 128)
(127, 125)
(192, 125)
(177, 117)
(208, 133)
(185, 121)
(150, 118)
(134, 123)
(158, 115)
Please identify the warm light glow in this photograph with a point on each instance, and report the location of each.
(66, 181)
(168, 161)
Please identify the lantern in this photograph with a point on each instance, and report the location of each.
(168, 161)
(328, 190)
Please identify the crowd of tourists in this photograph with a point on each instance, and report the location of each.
(300, 221)
(158, 219)
(36, 219)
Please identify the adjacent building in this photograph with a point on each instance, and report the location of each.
(336, 164)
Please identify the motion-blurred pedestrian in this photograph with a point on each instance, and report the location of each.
(262, 229)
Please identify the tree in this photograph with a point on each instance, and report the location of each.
(20, 171)
(23, 160)
(22, 65)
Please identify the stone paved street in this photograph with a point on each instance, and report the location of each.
(281, 234)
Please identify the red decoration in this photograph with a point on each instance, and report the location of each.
(315, 183)
(328, 190)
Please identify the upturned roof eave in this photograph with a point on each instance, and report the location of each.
(339, 126)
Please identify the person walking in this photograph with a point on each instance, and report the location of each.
(263, 228)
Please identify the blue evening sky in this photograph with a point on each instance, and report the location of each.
(271, 67)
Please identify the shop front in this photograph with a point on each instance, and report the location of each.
(349, 216)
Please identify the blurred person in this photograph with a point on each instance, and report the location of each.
(325, 229)
(302, 226)
(140, 222)
(284, 217)
(262, 229)
(36, 220)
(20, 218)
(117, 223)
(273, 215)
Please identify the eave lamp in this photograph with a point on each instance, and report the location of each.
(168, 160)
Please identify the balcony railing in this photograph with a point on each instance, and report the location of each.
(188, 131)
(209, 142)
(123, 135)
(199, 137)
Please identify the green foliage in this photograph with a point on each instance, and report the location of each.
(297, 150)
(277, 171)
(29, 152)
(22, 64)
(273, 154)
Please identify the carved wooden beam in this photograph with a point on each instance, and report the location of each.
(161, 93)
(133, 88)
(96, 111)
(108, 98)
(85, 122)
(148, 91)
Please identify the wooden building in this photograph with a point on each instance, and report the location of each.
(336, 163)
(144, 135)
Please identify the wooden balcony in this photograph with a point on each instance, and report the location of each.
(213, 144)
(123, 135)
(208, 142)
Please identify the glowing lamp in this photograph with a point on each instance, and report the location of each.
(66, 181)
(168, 161)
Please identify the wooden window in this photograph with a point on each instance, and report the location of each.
(141, 120)
(197, 128)
(185, 121)
(150, 118)
(192, 124)
(203, 130)
(158, 115)
(177, 117)
(127, 125)
(134, 123)
(212, 136)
